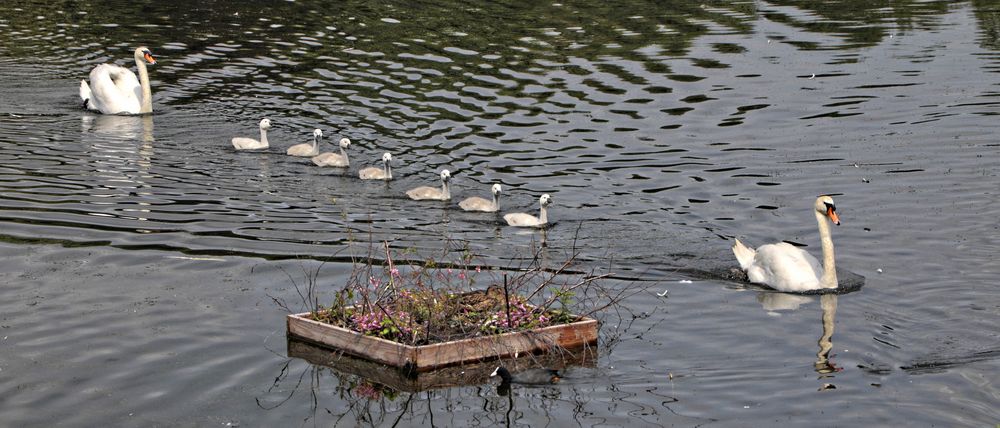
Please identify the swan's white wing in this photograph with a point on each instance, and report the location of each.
(115, 89)
(785, 267)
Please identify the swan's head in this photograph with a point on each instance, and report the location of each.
(495, 189)
(387, 157)
(824, 205)
(345, 143)
(545, 200)
(317, 134)
(265, 123)
(445, 175)
(144, 53)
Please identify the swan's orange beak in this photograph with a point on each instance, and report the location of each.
(830, 212)
(149, 57)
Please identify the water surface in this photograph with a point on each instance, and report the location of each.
(141, 254)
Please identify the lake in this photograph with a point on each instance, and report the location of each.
(143, 256)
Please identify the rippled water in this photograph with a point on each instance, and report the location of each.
(141, 253)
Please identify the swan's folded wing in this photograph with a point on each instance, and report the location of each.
(424, 192)
(522, 219)
(786, 267)
(476, 203)
(329, 159)
(115, 89)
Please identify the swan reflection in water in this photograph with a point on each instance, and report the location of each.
(823, 364)
(121, 151)
(120, 127)
(771, 302)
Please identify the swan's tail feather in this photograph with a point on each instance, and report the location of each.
(744, 254)
(85, 95)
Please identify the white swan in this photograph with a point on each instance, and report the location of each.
(244, 143)
(433, 193)
(528, 220)
(786, 267)
(333, 159)
(114, 89)
(476, 203)
(374, 173)
(307, 149)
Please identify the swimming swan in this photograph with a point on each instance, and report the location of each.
(333, 159)
(244, 143)
(476, 203)
(786, 267)
(528, 220)
(427, 192)
(307, 149)
(115, 90)
(374, 173)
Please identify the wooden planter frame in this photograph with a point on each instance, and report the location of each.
(415, 359)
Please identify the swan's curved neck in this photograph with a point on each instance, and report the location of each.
(543, 217)
(315, 141)
(496, 201)
(147, 93)
(343, 152)
(829, 278)
(444, 189)
(388, 171)
(263, 136)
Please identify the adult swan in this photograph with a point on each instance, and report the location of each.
(786, 267)
(115, 90)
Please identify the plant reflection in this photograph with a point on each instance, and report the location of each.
(355, 397)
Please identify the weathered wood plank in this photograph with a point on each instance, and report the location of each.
(508, 344)
(375, 348)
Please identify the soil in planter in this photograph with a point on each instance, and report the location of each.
(424, 317)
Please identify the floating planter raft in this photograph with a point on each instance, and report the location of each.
(415, 359)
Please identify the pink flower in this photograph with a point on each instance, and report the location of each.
(461, 275)
(367, 390)
(394, 272)
(477, 269)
